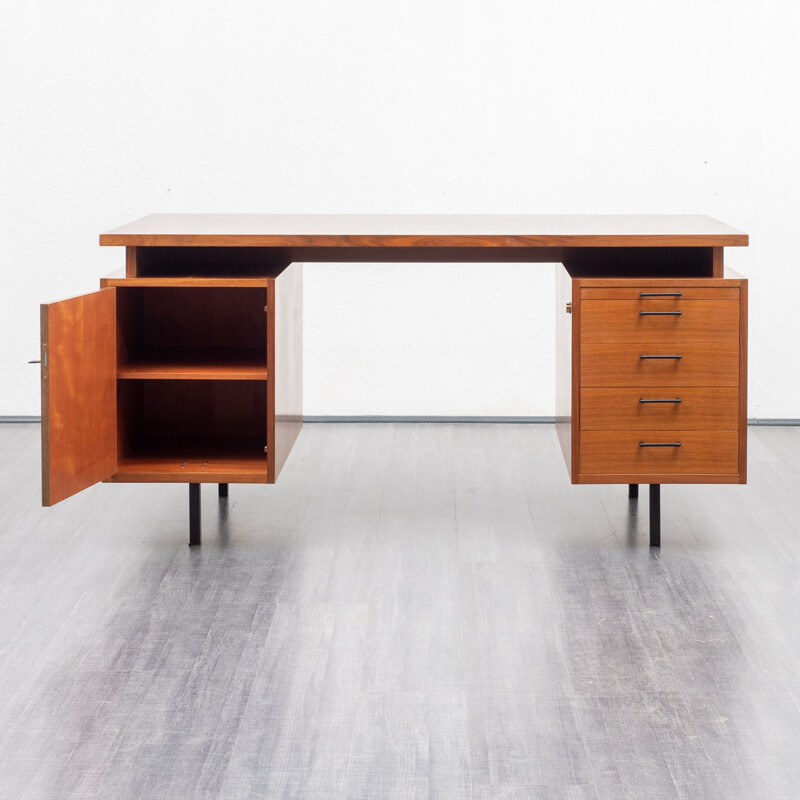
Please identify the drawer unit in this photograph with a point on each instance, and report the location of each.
(689, 408)
(656, 386)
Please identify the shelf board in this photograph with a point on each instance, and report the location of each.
(194, 460)
(191, 281)
(222, 365)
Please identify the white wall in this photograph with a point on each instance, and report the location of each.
(110, 110)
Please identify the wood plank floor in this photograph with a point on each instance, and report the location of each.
(414, 611)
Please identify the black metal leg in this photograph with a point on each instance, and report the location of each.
(194, 514)
(655, 515)
(633, 491)
(223, 490)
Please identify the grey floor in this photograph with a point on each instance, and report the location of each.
(413, 611)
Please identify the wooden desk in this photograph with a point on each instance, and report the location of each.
(189, 368)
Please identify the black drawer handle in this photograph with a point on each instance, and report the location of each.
(660, 356)
(660, 294)
(659, 444)
(660, 313)
(671, 400)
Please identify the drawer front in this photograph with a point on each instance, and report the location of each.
(633, 365)
(655, 320)
(620, 452)
(680, 408)
(666, 293)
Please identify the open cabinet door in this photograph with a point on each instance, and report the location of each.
(79, 394)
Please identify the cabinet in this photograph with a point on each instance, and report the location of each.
(170, 377)
(653, 379)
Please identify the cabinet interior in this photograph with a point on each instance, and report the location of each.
(192, 382)
(225, 262)
(196, 332)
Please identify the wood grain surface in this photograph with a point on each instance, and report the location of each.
(619, 452)
(646, 320)
(79, 413)
(701, 364)
(414, 230)
(700, 408)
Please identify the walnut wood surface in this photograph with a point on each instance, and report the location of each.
(710, 379)
(163, 468)
(566, 364)
(435, 230)
(79, 415)
(195, 364)
(714, 321)
(702, 364)
(619, 452)
(732, 280)
(743, 334)
(633, 292)
(701, 408)
(192, 281)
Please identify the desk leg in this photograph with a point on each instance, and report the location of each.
(655, 515)
(633, 491)
(194, 514)
(223, 490)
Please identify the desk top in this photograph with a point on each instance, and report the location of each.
(424, 230)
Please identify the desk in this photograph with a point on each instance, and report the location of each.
(188, 368)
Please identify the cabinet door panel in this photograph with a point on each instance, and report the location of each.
(79, 404)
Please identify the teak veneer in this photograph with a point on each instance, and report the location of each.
(187, 367)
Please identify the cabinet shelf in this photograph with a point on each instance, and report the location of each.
(187, 364)
(181, 459)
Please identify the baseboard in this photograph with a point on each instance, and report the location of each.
(515, 420)
(527, 420)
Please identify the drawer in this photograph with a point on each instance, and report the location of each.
(681, 408)
(634, 365)
(656, 320)
(620, 453)
(666, 293)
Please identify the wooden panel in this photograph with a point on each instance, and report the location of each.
(121, 280)
(700, 408)
(743, 313)
(410, 230)
(701, 364)
(131, 254)
(285, 365)
(657, 477)
(717, 262)
(701, 452)
(687, 292)
(641, 282)
(79, 435)
(184, 364)
(163, 468)
(566, 365)
(622, 321)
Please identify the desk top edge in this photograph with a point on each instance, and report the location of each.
(424, 230)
